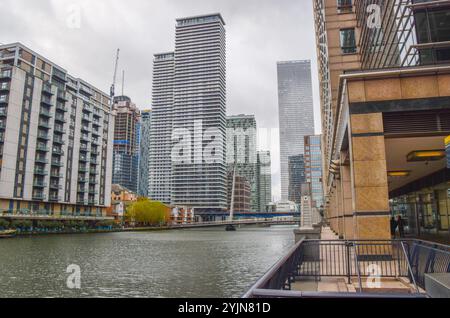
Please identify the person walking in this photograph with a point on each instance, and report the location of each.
(393, 227)
(401, 226)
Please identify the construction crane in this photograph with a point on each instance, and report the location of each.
(113, 86)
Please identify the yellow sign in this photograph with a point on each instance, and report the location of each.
(447, 141)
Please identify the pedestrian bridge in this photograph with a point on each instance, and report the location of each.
(262, 221)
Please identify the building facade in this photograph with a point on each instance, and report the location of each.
(144, 153)
(126, 143)
(241, 151)
(297, 177)
(264, 180)
(241, 199)
(384, 100)
(56, 138)
(188, 166)
(296, 115)
(313, 168)
(160, 165)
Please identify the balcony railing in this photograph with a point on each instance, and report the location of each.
(314, 259)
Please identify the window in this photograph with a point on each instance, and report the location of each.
(344, 6)
(348, 41)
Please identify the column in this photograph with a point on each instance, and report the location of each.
(370, 197)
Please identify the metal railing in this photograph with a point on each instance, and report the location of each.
(314, 259)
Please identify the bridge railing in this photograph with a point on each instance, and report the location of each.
(314, 259)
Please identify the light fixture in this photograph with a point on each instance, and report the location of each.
(426, 155)
(400, 173)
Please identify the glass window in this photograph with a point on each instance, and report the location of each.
(348, 41)
(344, 6)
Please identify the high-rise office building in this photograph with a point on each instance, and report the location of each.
(296, 177)
(160, 165)
(126, 145)
(313, 168)
(296, 115)
(384, 74)
(144, 152)
(56, 138)
(241, 151)
(264, 180)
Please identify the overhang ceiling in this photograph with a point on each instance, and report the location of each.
(398, 149)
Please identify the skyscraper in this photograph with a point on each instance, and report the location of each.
(56, 138)
(296, 178)
(296, 114)
(126, 145)
(144, 152)
(199, 107)
(241, 151)
(264, 180)
(187, 164)
(160, 165)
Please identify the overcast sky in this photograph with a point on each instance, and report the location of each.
(83, 35)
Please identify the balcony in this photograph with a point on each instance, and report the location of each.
(38, 196)
(2, 125)
(4, 99)
(81, 190)
(59, 129)
(6, 74)
(40, 171)
(59, 74)
(4, 87)
(44, 124)
(60, 118)
(43, 148)
(58, 151)
(39, 184)
(61, 95)
(81, 201)
(55, 186)
(94, 162)
(58, 140)
(3, 112)
(84, 148)
(46, 101)
(93, 171)
(57, 163)
(82, 179)
(83, 169)
(45, 112)
(84, 159)
(86, 117)
(85, 128)
(44, 136)
(47, 89)
(85, 138)
(340, 269)
(42, 160)
(54, 198)
(61, 107)
(55, 174)
(92, 181)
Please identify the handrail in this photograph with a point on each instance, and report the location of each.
(358, 271)
(410, 268)
(273, 270)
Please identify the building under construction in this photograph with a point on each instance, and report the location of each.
(126, 145)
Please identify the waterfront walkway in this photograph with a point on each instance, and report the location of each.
(330, 259)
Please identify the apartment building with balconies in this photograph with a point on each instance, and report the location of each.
(55, 139)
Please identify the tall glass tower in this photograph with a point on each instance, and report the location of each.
(296, 113)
